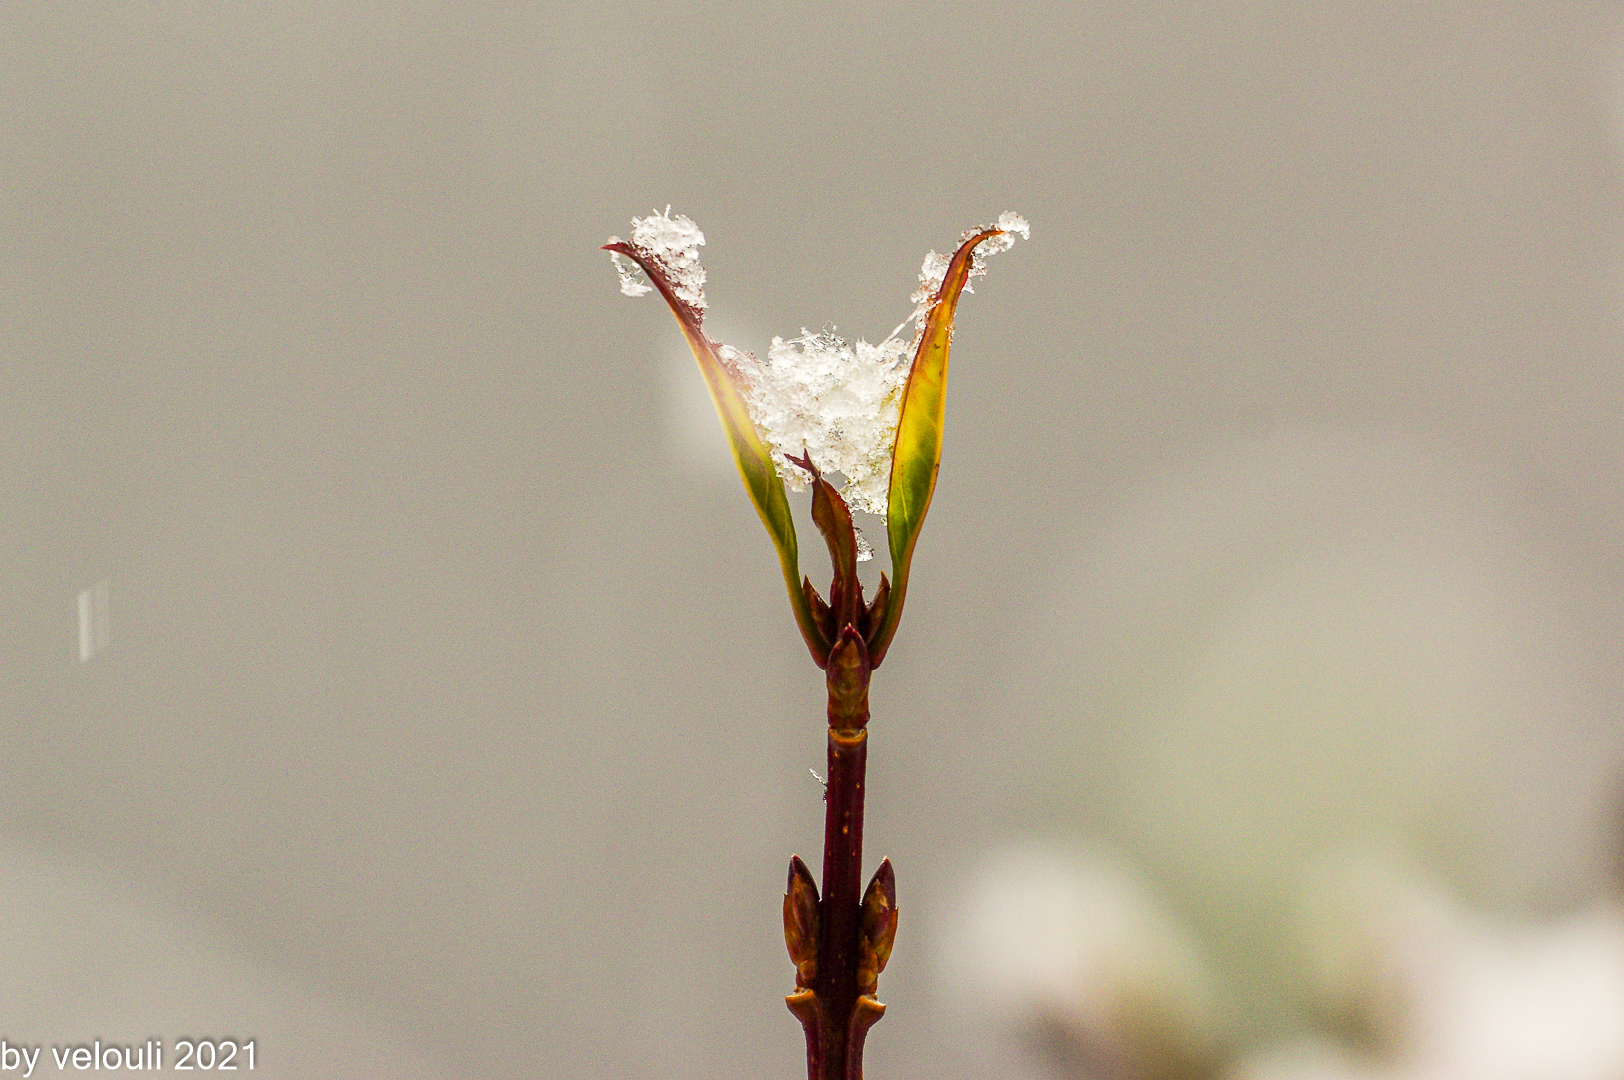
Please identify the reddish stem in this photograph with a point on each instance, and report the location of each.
(835, 1013)
(840, 910)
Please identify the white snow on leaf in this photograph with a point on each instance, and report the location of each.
(931, 273)
(672, 244)
(633, 282)
(935, 265)
(1011, 222)
(817, 394)
(834, 400)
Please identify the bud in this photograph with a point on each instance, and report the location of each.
(879, 929)
(847, 676)
(801, 922)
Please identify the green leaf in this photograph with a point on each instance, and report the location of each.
(918, 452)
(761, 479)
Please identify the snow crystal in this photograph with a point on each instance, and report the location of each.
(633, 282)
(931, 273)
(935, 266)
(1011, 222)
(672, 244)
(865, 550)
(835, 400)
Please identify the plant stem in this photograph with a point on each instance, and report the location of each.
(840, 911)
(838, 1009)
(836, 1005)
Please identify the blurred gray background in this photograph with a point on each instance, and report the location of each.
(438, 710)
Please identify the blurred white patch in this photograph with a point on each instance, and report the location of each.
(1316, 639)
(1512, 1001)
(692, 428)
(93, 620)
(1075, 956)
(1448, 993)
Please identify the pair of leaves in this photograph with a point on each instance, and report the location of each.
(915, 462)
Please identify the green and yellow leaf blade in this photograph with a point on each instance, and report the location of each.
(752, 456)
(918, 453)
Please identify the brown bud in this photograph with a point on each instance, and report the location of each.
(847, 675)
(821, 615)
(875, 616)
(879, 930)
(801, 922)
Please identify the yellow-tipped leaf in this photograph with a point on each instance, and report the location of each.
(752, 456)
(918, 453)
